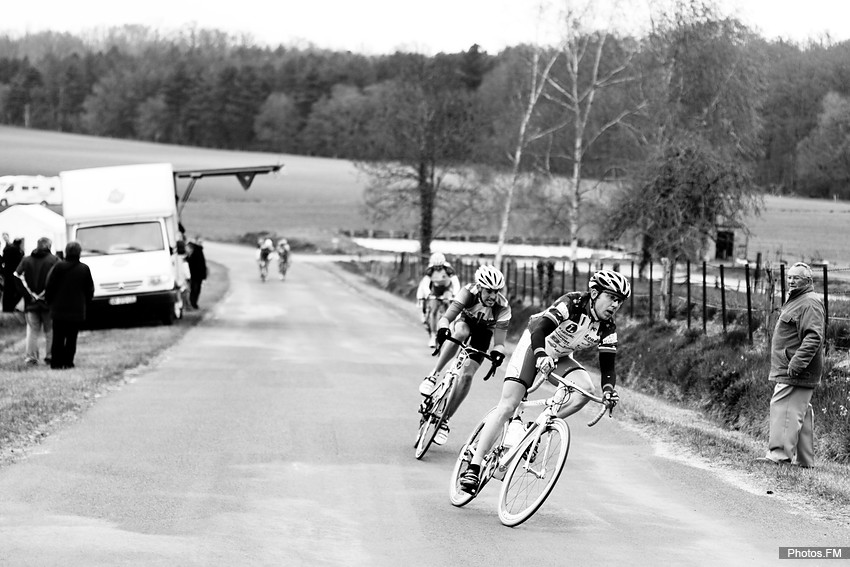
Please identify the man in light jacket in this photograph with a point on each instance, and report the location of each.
(796, 366)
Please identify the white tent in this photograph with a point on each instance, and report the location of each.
(31, 222)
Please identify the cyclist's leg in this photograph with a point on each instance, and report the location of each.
(459, 332)
(432, 313)
(519, 375)
(479, 338)
(574, 371)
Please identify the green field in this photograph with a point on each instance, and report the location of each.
(315, 197)
(310, 196)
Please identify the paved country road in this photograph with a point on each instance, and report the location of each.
(279, 432)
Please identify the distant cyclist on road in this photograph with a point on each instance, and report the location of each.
(282, 257)
(264, 253)
(480, 312)
(575, 321)
(438, 285)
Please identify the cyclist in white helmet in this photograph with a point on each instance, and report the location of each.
(575, 321)
(438, 286)
(480, 312)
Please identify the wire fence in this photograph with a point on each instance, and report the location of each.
(706, 296)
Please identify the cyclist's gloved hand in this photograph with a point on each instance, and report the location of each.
(545, 364)
(497, 357)
(610, 397)
(442, 335)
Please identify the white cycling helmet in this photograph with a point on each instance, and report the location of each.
(611, 281)
(267, 243)
(489, 277)
(437, 259)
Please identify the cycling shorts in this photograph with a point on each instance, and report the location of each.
(439, 290)
(522, 366)
(479, 338)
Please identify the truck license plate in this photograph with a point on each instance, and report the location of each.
(123, 300)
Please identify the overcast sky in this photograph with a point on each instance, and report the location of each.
(381, 26)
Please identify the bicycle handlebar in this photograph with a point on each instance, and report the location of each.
(471, 350)
(571, 386)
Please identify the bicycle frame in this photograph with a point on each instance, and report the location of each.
(538, 426)
(441, 397)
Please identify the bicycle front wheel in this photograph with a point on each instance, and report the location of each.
(431, 424)
(532, 475)
(457, 496)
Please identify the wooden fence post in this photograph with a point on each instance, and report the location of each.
(723, 298)
(825, 310)
(749, 304)
(704, 298)
(651, 314)
(688, 283)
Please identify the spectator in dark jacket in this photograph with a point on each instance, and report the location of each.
(69, 290)
(796, 367)
(197, 270)
(33, 272)
(13, 253)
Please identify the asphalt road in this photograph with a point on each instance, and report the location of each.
(279, 432)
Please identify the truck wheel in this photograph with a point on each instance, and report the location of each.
(3, 202)
(168, 315)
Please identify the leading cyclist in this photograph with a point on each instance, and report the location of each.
(480, 312)
(576, 321)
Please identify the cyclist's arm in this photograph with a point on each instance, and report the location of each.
(607, 360)
(455, 285)
(424, 289)
(460, 302)
(540, 329)
(499, 336)
(607, 368)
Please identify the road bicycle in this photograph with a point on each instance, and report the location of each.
(530, 468)
(282, 266)
(436, 307)
(432, 410)
(264, 269)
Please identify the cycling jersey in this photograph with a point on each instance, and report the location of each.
(468, 305)
(437, 281)
(570, 325)
(484, 322)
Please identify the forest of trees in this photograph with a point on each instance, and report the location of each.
(770, 114)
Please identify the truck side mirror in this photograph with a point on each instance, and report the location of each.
(181, 247)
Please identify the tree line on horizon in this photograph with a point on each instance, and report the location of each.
(678, 130)
(210, 90)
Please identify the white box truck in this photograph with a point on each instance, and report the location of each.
(126, 221)
(29, 190)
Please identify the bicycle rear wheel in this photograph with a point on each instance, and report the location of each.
(532, 475)
(457, 496)
(431, 424)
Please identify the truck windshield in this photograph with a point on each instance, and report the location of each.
(120, 238)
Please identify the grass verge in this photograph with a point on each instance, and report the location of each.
(35, 400)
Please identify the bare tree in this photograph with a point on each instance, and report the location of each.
(591, 66)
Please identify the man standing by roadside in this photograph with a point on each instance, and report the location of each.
(33, 274)
(197, 270)
(68, 291)
(12, 256)
(796, 365)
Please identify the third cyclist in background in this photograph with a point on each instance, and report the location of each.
(282, 257)
(576, 321)
(480, 312)
(437, 288)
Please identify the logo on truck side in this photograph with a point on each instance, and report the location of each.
(115, 196)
